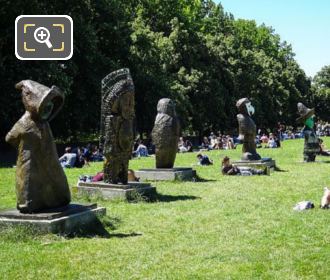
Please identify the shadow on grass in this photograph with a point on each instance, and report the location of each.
(170, 198)
(99, 229)
(198, 179)
(124, 235)
(322, 161)
(278, 169)
(94, 230)
(311, 162)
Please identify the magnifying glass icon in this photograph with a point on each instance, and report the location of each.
(41, 35)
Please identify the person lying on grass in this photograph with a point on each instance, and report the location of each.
(204, 159)
(100, 175)
(230, 169)
(323, 150)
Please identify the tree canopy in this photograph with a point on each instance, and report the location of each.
(189, 50)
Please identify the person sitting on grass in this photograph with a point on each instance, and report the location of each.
(182, 146)
(141, 150)
(230, 144)
(204, 159)
(323, 150)
(205, 144)
(97, 154)
(264, 139)
(80, 160)
(271, 142)
(188, 145)
(68, 160)
(230, 169)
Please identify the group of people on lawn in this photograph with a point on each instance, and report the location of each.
(80, 156)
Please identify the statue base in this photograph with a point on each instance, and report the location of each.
(71, 219)
(167, 174)
(258, 164)
(111, 191)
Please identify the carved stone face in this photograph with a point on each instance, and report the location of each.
(127, 105)
(40, 101)
(124, 105)
(166, 106)
(249, 108)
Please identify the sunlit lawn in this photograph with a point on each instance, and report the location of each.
(221, 228)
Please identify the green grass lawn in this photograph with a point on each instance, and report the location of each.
(223, 228)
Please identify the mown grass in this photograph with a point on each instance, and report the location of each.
(221, 228)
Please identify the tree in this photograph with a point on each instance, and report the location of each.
(191, 51)
(321, 87)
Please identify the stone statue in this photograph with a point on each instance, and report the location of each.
(166, 133)
(40, 180)
(117, 116)
(247, 129)
(312, 145)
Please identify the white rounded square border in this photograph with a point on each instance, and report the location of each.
(64, 58)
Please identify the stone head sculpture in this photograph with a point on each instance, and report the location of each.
(247, 129)
(312, 144)
(244, 106)
(40, 181)
(166, 133)
(117, 115)
(305, 115)
(166, 106)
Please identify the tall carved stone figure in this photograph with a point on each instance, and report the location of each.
(117, 116)
(40, 180)
(166, 133)
(247, 129)
(311, 145)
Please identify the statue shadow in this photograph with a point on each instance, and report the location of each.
(316, 161)
(171, 198)
(323, 161)
(100, 228)
(124, 235)
(278, 169)
(198, 179)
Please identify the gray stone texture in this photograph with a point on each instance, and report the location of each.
(247, 130)
(259, 164)
(70, 219)
(117, 116)
(166, 133)
(166, 174)
(112, 191)
(40, 180)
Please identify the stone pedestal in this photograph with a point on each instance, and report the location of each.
(70, 219)
(166, 174)
(258, 164)
(110, 191)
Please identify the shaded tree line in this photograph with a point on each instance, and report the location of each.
(189, 50)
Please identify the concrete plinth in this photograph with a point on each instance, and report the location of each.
(111, 191)
(166, 174)
(70, 219)
(259, 164)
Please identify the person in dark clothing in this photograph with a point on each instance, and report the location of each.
(323, 150)
(204, 160)
(80, 161)
(229, 169)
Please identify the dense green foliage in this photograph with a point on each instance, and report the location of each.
(223, 228)
(191, 51)
(321, 85)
